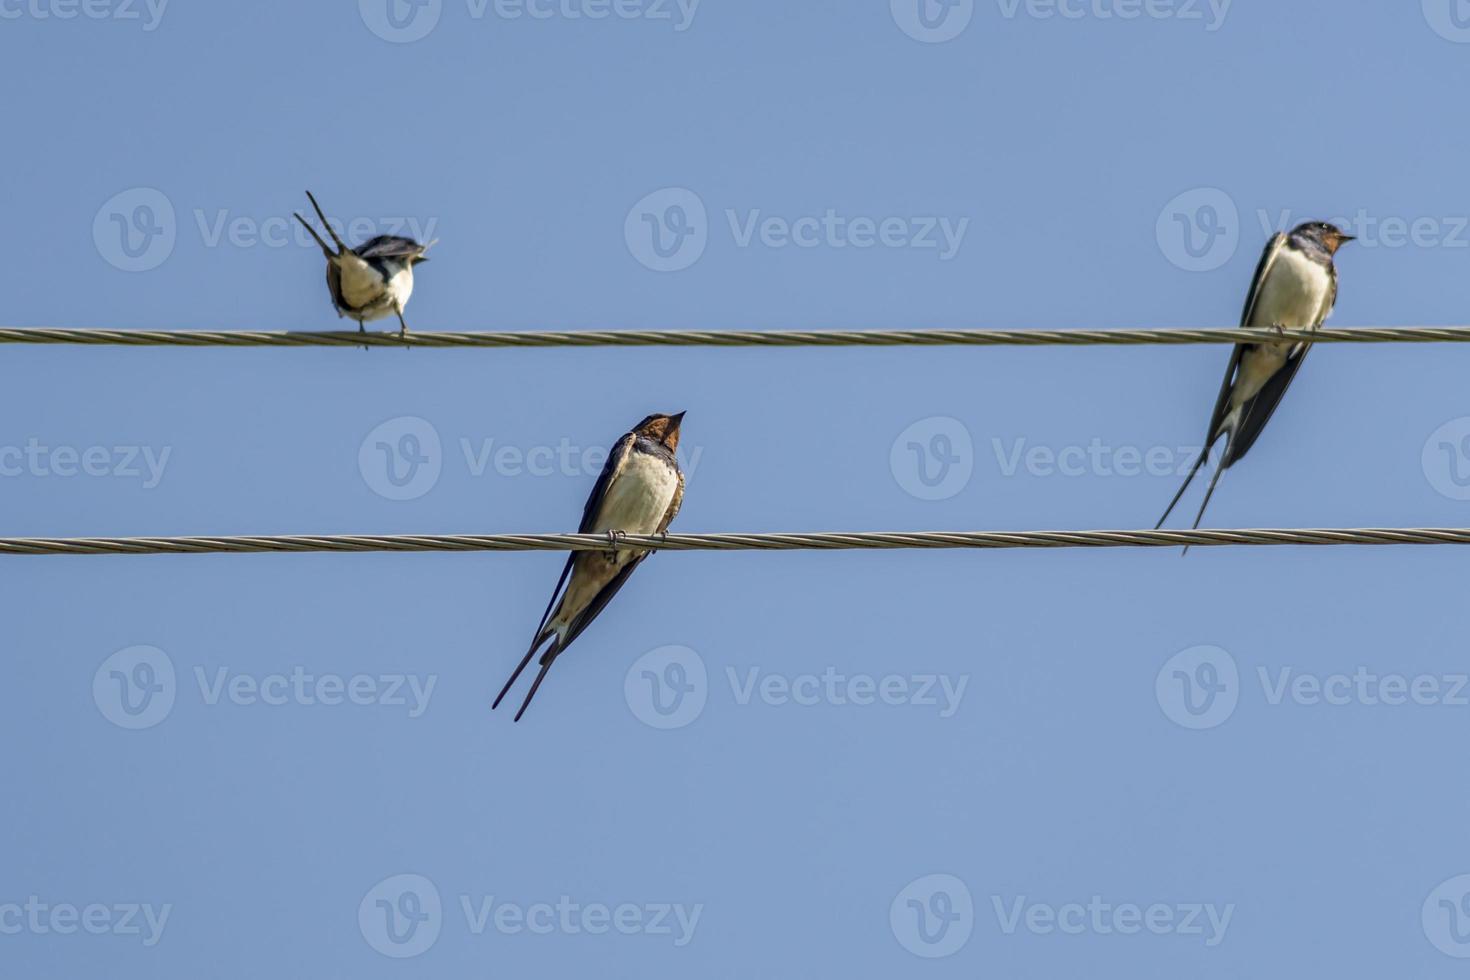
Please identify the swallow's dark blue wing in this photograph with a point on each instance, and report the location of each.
(610, 470)
(599, 602)
(389, 247)
(1253, 420)
(1247, 318)
(1263, 269)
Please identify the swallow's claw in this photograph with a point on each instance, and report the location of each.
(614, 538)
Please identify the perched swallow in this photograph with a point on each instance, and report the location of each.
(1295, 288)
(373, 280)
(639, 492)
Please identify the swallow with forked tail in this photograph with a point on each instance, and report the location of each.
(1295, 288)
(639, 492)
(373, 280)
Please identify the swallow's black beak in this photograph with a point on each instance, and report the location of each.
(675, 421)
(1347, 238)
(420, 259)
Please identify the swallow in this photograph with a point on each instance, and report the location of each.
(373, 280)
(639, 492)
(1295, 288)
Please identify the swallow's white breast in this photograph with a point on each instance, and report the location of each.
(639, 497)
(1295, 294)
(400, 287)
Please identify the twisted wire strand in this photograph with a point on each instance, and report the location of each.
(853, 541)
(723, 338)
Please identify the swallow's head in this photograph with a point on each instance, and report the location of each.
(661, 428)
(1330, 237)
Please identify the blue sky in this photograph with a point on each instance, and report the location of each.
(963, 764)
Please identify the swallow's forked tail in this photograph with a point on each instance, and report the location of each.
(1225, 460)
(543, 632)
(325, 224)
(547, 659)
(1194, 471)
